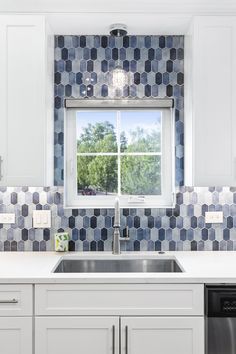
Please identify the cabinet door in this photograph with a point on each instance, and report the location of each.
(84, 335)
(16, 335)
(210, 110)
(24, 106)
(162, 335)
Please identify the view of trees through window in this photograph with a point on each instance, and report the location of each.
(119, 152)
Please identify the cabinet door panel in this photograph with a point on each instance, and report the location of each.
(210, 145)
(16, 335)
(84, 335)
(162, 335)
(25, 112)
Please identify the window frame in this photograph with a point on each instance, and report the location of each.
(72, 200)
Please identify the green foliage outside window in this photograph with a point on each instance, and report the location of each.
(99, 174)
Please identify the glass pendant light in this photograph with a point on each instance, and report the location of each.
(119, 77)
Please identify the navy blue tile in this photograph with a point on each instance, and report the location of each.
(157, 246)
(79, 78)
(82, 234)
(193, 246)
(82, 41)
(204, 234)
(24, 234)
(46, 234)
(158, 78)
(64, 54)
(126, 42)
(172, 222)
(93, 222)
(162, 42)
(136, 53)
(136, 245)
(136, 222)
(148, 66)
(148, 92)
(60, 41)
(104, 41)
(137, 78)
(75, 212)
(71, 246)
(115, 52)
(71, 222)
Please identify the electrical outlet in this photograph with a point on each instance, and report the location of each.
(41, 218)
(7, 218)
(214, 217)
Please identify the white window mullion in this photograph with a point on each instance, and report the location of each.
(118, 117)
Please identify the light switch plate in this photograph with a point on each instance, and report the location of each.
(7, 218)
(41, 219)
(214, 217)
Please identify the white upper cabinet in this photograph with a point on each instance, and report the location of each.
(26, 110)
(210, 96)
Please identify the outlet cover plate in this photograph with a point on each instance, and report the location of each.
(214, 217)
(7, 218)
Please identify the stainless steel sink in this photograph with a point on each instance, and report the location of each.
(118, 266)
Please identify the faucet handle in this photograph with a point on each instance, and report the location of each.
(125, 234)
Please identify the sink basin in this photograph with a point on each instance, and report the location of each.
(118, 266)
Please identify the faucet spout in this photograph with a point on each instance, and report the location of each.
(117, 213)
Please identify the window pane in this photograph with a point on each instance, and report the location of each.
(96, 131)
(140, 131)
(141, 175)
(97, 175)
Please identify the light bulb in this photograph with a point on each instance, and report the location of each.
(119, 78)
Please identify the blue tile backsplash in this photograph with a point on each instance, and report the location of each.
(82, 65)
(182, 228)
(82, 70)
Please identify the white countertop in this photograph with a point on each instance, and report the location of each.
(199, 267)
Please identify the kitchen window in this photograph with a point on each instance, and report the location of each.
(119, 148)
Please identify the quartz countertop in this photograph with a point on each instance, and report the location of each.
(199, 267)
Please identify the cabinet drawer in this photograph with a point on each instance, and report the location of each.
(16, 300)
(119, 299)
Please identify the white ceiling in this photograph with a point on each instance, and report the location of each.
(149, 24)
(130, 6)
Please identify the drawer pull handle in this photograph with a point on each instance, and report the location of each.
(13, 301)
(113, 339)
(126, 340)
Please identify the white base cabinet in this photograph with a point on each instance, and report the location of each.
(114, 335)
(84, 335)
(16, 335)
(162, 335)
(119, 318)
